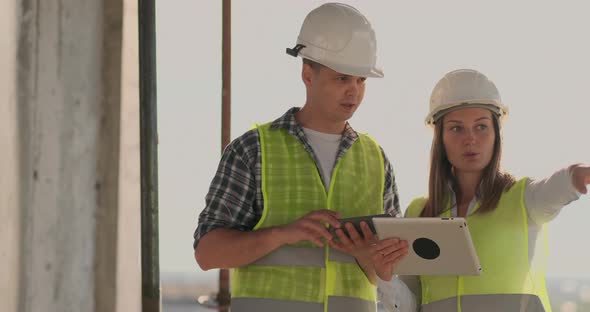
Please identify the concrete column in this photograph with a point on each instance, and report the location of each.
(129, 240)
(9, 163)
(68, 87)
(108, 162)
(69, 156)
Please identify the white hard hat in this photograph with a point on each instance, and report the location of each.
(338, 36)
(464, 87)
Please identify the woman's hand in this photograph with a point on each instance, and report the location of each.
(580, 177)
(386, 254)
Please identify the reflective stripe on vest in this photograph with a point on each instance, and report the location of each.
(302, 256)
(488, 303)
(501, 240)
(292, 187)
(335, 304)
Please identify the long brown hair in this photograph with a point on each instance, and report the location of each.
(493, 180)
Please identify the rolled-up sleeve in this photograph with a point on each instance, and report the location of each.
(231, 199)
(390, 194)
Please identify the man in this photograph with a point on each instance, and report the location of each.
(278, 186)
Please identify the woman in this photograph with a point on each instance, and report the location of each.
(506, 216)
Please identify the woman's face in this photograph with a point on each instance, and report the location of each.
(468, 137)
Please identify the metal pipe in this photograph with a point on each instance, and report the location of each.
(223, 296)
(226, 76)
(150, 266)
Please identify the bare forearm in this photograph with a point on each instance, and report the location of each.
(227, 248)
(368, 269)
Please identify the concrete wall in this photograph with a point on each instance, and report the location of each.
(60, 112)
(129, 240)
(9, 199)
(67, 163)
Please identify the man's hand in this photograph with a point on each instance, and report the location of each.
(230, 248)
(354, 244)
(310, 227)
(372, 254)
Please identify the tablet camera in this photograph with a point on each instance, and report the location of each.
(426, 248)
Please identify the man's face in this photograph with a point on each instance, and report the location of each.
(334, 95)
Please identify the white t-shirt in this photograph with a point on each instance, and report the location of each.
(325, 147)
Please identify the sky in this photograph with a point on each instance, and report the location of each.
(536, 52)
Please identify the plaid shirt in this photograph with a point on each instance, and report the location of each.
(235, 198)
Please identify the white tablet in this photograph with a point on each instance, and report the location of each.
(437, 246)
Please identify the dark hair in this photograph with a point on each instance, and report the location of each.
(314, 65)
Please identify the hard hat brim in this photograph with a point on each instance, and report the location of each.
(495, 107)
(374, 72)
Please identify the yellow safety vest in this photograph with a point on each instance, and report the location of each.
(509, 281)
(302, 277)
